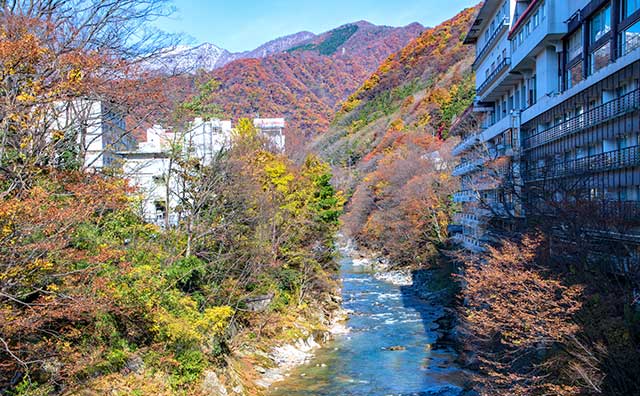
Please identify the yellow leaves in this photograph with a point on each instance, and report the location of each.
(397, 125)
(424, 120)
(371, 83)
(43, 264)
(186, 324)
(6, 230)
(350, 104)
(214, 321)
(75, 75)
(57, 135)
(25, 97)
(279, 176)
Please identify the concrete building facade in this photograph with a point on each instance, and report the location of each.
(559, 94)
(150, 165)
(93, 129)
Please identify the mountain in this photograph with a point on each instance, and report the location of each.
(278, 45)
(306, 82)
(186, 59)
(418, 89)
(390, 150)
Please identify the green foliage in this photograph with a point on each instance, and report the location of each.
(337, 38)
(202, 104)
(190, 365)
(331, 44)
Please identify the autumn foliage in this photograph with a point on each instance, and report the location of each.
(305, 84)
(516, 314)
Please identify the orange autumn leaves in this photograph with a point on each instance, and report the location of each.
(403, 206)
(516, 311)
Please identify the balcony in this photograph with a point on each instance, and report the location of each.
(503, 26)
(617, 159)
(467, 144)
(465, 196)
(468, 167)
(546, 32)
(611, 219)
(466, 219)
(501, 150)
(601, 114)
(493, 77)
(470, 243)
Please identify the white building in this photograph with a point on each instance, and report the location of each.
(273, 128)
(558, 87)
(150, 166)
(93, 130)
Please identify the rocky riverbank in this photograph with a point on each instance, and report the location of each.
(286, 357)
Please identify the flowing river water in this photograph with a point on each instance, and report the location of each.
(360, 363)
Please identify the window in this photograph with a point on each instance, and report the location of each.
(600, 24)
(533, 94)
(631, 38)
(629, 7)
(574, 45)
(574, 75)
(600, 58)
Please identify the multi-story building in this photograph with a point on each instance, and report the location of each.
(273, 129)
(93, 130)
(150, 166)
(558, 86)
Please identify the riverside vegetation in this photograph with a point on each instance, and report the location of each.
(92, 299)
(529, 322)
(95, 301)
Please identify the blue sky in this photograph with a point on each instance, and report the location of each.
(239, 25)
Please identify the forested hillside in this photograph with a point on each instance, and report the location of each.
(305, 84)
(388, 143)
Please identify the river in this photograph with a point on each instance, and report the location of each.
(359, 362)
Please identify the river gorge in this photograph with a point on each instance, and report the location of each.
(390, 346)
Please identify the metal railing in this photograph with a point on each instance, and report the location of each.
(465, 196)
(622, 158)
(502, 66)
(467, 167)
(467, 143)
(605, 112)
(502, 27)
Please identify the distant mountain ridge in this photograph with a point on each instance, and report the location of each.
(207, 56)
(305, 82)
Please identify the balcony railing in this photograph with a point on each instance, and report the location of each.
(465, 196)
(502, 66)
(611, 160)
(467, 167)
(467, 143)
(603, 113)
(503, 26)
(470, 243)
